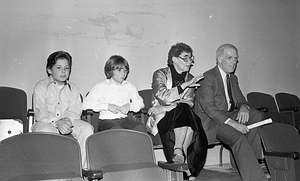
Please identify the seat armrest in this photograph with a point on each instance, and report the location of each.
(87, 115)
(92, 174)
(30, 112)
(144, 110)
(294, 155)
(89, 112)
(173, 166)
(263, 109)
(30, 116)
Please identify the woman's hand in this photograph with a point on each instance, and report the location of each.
(192, 82)
(155, 110)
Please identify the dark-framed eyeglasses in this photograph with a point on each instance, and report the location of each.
(187, 58)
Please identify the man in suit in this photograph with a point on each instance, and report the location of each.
(225, 114)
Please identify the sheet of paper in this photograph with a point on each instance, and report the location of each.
(263, 122)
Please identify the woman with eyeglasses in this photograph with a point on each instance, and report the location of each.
(180, 129)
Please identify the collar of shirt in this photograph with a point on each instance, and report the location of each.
(50, 81)
(223, 74)
(113, 82)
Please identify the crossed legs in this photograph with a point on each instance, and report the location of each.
(245, 148)
(183, 138)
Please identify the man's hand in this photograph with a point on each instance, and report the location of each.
(243, 114)
(64, 125)
(240, 127)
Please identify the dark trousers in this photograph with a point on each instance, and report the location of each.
(246, 149)
(121, 123)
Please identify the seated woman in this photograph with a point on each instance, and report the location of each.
(180, 129)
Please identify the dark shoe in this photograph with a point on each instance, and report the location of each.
(178, 157)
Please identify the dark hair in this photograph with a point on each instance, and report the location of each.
(220, 51)
(177, 49)
(53, 57)
(113, 63)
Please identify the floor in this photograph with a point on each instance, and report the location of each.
(225, 173)
(216, 173)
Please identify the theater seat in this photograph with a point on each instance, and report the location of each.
(40, 156)
(122, 155)
(281, 143)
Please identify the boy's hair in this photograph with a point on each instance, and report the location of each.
(177, 49)
(53, 57)
(113, 63)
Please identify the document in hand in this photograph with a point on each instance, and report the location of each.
(263, 122)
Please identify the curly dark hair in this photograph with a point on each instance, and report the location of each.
(177, 49)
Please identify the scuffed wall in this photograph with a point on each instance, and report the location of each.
(266, 33)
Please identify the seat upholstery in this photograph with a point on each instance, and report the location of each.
(289, 104)
(40, 156)
(267, 105)
(123, 154)
(146, 94)
(13, 105)
(281, 143)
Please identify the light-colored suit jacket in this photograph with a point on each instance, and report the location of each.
(211, 104)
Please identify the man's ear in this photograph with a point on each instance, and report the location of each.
(220, 59)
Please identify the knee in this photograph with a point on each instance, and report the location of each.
(241, 140)
(117, 126)
(256, 115)
(44, 127)
(141, 128)
(89, 129)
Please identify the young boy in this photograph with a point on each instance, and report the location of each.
(115, 97)
(57, 103)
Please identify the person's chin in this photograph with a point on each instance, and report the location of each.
(62, 81)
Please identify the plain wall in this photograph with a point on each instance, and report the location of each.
(266, 32)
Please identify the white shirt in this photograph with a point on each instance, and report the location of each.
(52, 102)
(109, 92)
(223, 74)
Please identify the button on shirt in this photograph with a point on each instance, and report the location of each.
(52, 102)
(109, 92)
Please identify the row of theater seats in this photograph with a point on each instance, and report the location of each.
(112, 155)
(123, 155)
(281, 141)
(266, 103)
(284, 108)
(13, 108)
